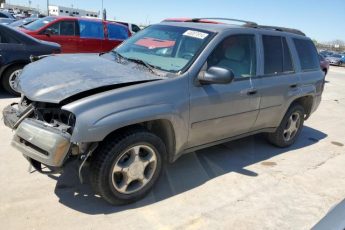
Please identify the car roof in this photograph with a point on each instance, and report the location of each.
(85, 19)
(217, 27)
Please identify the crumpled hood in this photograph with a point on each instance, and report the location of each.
(55, 78)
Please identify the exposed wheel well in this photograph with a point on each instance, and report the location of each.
(307, 103)
(162, 128)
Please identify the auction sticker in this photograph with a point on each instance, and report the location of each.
(195, 34)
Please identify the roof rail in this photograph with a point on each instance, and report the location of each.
(283, 29)
(253, 25)
(246, 23)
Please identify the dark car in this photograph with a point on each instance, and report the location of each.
(324, 64)
(22, 22)
(6, 17)
(15, 51)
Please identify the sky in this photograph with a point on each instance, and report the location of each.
(320, 20)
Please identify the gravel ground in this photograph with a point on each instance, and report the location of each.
(244, 184)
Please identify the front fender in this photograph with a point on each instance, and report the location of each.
(99, 115)
(99, 129)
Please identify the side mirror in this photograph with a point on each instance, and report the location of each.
(48, 32)
(216, 75)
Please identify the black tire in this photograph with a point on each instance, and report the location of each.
(5, 79)
(108, 153)
(277, 138)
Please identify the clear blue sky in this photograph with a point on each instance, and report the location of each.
(321, 20)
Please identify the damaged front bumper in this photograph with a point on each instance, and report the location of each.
(37, 140)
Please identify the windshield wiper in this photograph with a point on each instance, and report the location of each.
(137, 61)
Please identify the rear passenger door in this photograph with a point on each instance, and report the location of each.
(278, 81)
(91, 36)
(116, 35)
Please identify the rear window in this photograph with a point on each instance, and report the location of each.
(307, 54)
(6, 37)
(277, 55)
(117, 32)
(91, 29)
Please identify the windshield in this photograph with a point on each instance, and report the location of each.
(166, 48)
(38, 24)
(336, 56)
(22, 22)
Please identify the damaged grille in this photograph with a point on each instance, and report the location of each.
(51, 114)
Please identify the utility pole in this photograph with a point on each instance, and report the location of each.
(102, 7)
(47, 7)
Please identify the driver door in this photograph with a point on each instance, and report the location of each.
(220, 111)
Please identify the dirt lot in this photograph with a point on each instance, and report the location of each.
(245, 184)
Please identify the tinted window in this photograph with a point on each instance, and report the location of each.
(3, 15)
(307, 54)
(91, 29)
(117, 32)
(65, 28)
(8, 38)
(135, 28)
(237, 53)
(287, 61)
(277, 55)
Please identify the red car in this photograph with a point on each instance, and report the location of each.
(78, 35)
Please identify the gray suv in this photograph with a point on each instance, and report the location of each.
(171, 89)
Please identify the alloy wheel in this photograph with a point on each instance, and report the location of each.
(12, 79)
(292, 126)
(134, 169)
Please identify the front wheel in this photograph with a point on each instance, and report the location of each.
(290, 127)
(125, 168)
(10, 79)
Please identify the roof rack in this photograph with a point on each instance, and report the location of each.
(254, 25)
(283, 29)
(246, 23)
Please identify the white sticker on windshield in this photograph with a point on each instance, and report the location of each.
(195, 34)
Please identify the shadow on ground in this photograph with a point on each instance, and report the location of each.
(190, 171)
(5, 95)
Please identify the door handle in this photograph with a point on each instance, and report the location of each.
(251, 92)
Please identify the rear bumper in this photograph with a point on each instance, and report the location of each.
(43, 143)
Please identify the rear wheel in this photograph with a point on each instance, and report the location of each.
(125, 168)
(9, 79)
(290, 127)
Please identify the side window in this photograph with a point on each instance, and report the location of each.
(64, 28)
(238, 53)
(117, 32)
(2, 15)
(287, 60)
(307, 54)
(277, 55)
(7, 38)
(135, 28)
(67, 28)
(91, 29)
